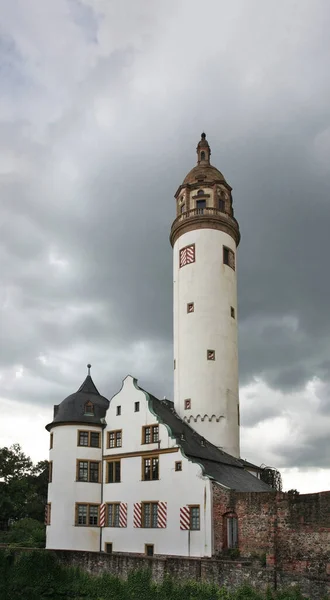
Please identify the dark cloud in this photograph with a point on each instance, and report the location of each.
(94, 147)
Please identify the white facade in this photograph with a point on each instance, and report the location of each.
(210, 385)
(65, 492)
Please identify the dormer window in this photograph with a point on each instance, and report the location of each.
(200, 193)
(89, 408)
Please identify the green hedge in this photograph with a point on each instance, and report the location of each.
(36, 575)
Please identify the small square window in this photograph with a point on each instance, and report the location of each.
(178, 465)
(210, 355)
(232, 312)
(187, 404)
(108, 548)
(118, 411)
(149, 549)
(190, 307)
(136, 406)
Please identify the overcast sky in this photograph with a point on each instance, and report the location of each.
(101, 107)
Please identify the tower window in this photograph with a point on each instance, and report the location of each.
(229, 257)
(89, 408)
(203, 155)
(200, 193)
(190, 307)
(210, 355)
(232, 312)
(118, 411)
(136, 406)
(178, 465)
(200, 205)
(187, 255)
(187, 404)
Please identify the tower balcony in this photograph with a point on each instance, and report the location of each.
(204, 218)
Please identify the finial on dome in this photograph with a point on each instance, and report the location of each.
(203, 151)
(89, 368)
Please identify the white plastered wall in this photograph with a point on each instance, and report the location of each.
(212, 386)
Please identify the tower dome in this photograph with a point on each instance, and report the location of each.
(204, 199)
(85, 406)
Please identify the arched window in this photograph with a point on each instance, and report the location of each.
(230, 531)
(89, 408)
(200, 193)
(203, 155)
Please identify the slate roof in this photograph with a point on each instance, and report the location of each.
(217, 464)
(72, 408)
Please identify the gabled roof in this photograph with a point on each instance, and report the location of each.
(216, 464)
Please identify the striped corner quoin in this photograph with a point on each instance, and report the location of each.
(184, 517)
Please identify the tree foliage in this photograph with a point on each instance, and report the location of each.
(23, 486)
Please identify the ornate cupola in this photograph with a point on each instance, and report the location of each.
(204, 199)
(204, 237)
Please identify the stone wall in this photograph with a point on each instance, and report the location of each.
(228, 573)
(290, 531)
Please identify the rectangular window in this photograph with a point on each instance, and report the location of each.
(210, 355)
(232, 312)
(115, 438)
(190, 307)
(113, 515)
(51, 441)
(149, 549)
(150, 434)
(48, 511)
(150, 514)
(178, 465)
(108, 547)
(200, 205)
(187, 255)
(113, 471)
(50, 471)
(232, 532)
(150, 468)
(87, 515)
(89, 438)
(136, 406)
(187, 404)
(88, 470)
(229, 257)
(118, 411)
(194, 517)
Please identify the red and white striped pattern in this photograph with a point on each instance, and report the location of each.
(47, 514)
(187, 255)
(162, 514)
(184, 517)
(123, 514)
(102, 514)
(137, 514)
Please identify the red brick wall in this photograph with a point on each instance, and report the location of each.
(293, 531)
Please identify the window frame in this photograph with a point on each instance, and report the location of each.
(89, 437)
(137, 406)
(89, 405)
(150, 457)
(89, 462)
(191, 508)
(153, 427)
(115, 433)
(113, 462)
(114, 516)
(50, 471)
(228, 257)
(88, 505)
(151, 505)
(152, 547)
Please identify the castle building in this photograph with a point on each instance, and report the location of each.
(137, 474)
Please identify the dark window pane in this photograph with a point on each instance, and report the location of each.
(155, 433)
(147, 469)
(111, 439)
(94, 472)
(136, 406)
(147, 435)
(154, 515)
(155, 468)
(95, 439)
(118, 439)
(117, 471)
(194, 517)
(93, 515)
(116, 515)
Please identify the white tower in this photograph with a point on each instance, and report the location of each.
(205, 236)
